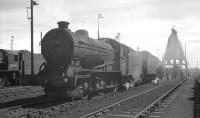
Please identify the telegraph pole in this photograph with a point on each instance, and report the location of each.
(32, 61)
(99, 16)
(32, 50)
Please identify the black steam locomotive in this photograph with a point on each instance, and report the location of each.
(15, 66)
(77, 64)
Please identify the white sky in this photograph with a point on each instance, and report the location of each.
(143, 23)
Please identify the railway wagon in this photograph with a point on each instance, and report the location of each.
(25, 62)
(148, 66)
(15, 66)
(77, 63)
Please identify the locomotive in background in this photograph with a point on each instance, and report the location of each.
(15, 66)
(77, 64)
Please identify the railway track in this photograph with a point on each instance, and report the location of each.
(137, 106)
(19, 91)
(39, 109)
(13, 88)
(48, 108)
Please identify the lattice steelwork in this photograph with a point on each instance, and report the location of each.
(174, 54)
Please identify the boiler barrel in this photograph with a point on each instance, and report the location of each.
(60, 46)
(91, 52)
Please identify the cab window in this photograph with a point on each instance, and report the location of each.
(16, 57)
(124, 52)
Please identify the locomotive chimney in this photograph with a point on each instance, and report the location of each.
(63, 24)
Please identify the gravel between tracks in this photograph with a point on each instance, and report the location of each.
(31, 107)
(100, 102)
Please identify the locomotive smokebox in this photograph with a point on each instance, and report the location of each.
(63, 24)
(57, 46)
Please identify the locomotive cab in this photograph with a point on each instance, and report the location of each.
(9, 60)
(9, 65)
(3, 60)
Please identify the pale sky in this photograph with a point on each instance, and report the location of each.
(143, 23)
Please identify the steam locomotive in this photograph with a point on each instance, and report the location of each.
(15, 66)
(76, 64)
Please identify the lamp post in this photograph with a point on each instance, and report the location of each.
(186, 66)
(32, 50)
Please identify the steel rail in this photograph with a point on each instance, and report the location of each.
(119, 102)
(69, 105)
(149, 108)
(18, 89)
(49, 110)
(26, 105)
(20, 93)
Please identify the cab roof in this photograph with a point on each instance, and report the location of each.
(9, 52)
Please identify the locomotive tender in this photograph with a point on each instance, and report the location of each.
(78, 64)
